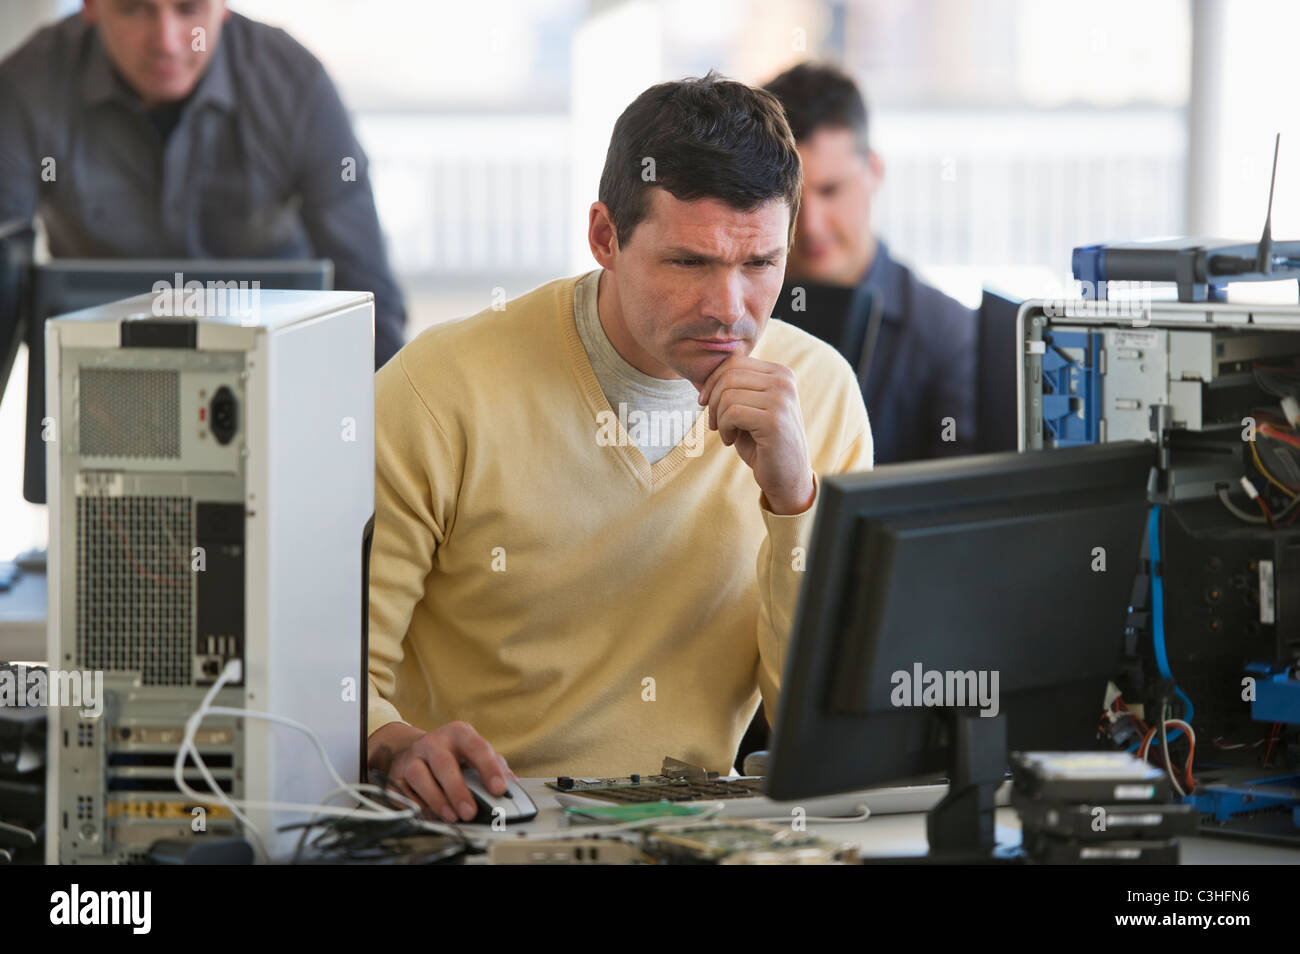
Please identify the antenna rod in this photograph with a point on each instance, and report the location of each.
(1264, 256)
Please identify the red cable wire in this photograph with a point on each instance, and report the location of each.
(1271, 739)
(1269, 431)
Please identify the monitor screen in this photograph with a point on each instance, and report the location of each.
(16, 240)
(996, 429)
(997, 583)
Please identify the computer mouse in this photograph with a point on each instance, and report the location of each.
(515, 805)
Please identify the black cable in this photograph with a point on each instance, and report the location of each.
(1279, 383)
(362, 839)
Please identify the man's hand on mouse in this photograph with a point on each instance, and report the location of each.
(426, 766)
(754, 407)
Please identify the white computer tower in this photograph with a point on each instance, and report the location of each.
(210, 481)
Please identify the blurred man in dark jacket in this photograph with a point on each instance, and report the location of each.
(178, 129)
(920, 387)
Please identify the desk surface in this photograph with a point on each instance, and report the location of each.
(22, 639)
(22, 620)
(904, 835)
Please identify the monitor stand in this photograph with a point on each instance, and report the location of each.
(961, 829)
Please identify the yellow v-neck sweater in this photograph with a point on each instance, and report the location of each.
(587, 613)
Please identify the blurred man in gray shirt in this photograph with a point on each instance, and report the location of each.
(178, 129)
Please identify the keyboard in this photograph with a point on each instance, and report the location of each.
(654, 788)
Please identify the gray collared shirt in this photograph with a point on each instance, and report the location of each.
(259, 165)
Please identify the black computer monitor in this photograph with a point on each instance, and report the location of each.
(66, 285)
(985, 564)
(997, 354)
(846, 317)
(16, 240)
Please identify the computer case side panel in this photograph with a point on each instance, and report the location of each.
(311, 494)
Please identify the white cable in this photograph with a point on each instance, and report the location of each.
(438, 829)
(351, 788)
(1237, 511)
(1191, 736)
(863, 814)
(378, 812)
(231, 671)
(1164, 747)
(1181, 723)
(374, 812)
(1291, 409)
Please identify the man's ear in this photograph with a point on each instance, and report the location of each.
(601, 235)
(88, 11)
(877, 167)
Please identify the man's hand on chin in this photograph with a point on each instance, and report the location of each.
(754, 407)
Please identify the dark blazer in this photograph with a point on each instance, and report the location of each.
(922, 370)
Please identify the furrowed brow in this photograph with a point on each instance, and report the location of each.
(678, 251)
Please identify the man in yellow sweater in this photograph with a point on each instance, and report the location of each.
(592, 500)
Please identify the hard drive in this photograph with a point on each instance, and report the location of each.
(1087, 777)
(1046, 850)
(1103, 822)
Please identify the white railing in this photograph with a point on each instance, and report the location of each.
(1002, 188)
(463, 196)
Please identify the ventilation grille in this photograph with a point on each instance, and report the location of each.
(130, 413)
(134, 587)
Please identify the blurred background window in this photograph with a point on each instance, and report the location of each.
(1011, 130)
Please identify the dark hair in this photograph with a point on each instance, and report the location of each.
(819, 94)
(708, 137)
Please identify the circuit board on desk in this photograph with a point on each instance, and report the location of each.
(746, 843)
(676, 782)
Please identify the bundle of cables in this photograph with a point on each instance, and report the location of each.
(1272, 456)
(1163, 726)
(1163, 731)
(1271, 483)
(376, 841)
(1170, 730)
(379, 809)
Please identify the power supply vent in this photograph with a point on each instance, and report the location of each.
(130, 413)
(135, 587)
